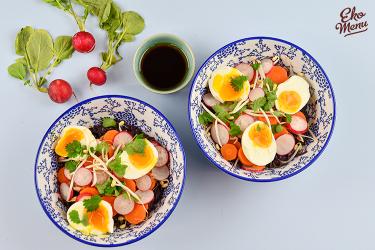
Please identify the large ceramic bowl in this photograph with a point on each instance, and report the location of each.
(320, 109)
(90, 112)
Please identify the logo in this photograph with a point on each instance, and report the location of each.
(351, 22)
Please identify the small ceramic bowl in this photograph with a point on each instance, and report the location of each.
(164, 39)
(90, 112)
(320, 109)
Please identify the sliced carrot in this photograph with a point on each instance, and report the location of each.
(89, 191)
(237, 144)
(278, 74)
(229, 152)
(61, 178)
(110, 135)
(272, 119)
(137, 215)
(110, 200)
(88, 162)
(253, 168)
(243, 159)
(282, 132)
(131, 184)
(111, 151)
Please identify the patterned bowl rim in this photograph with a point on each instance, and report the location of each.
(174, 203)
(249, 178)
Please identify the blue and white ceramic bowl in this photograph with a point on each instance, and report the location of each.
(90, 112)
(320, 109)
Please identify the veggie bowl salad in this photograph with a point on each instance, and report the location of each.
(254, 113)
(110, 175)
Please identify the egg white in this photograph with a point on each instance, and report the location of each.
(134, 173)
(89, 230)
(225, 71)
(257, 155)
(297, 84)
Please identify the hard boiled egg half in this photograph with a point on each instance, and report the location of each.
(258, 144)
(74, 133)
(221, 87)
(99, 221)
(139, 164)
(292, 95)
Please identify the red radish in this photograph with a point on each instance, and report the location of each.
(155, 143)
(60, 91)
(163, 156)
(209, 100)
(83, 177)
(256, 93)
(143, 183)
(64, 192)
(101, 177)
(83, 42)
(67, 174)
(122, 205)
(298, 125)
(96, 76)
(160, 173)
(267, 65)
(122, 139)
(246, 69)
(253, 168)
(145, 196)
(223, 134)
(82, 197)
(244, 120)
(285, 144)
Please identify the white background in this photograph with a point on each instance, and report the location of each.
(328, 206)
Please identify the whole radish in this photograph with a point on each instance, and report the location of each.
(60, 91)
(96, 76)
(83, 42)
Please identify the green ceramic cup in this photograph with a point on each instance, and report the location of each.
(164, 39)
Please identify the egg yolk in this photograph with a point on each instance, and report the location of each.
(68, 137)
(144, 160)
(260, 135)
(98, 219)
(289, 101)
(222, 85)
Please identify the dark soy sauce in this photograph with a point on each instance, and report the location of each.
(164, 66)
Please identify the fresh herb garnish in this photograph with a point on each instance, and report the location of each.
(205, 118)
(259, 103)
(102, 147)
(234, 129)
(108, 122)
(74, 217)
(106, 188)
(255, 66)
(237, 82)
(71, 165)
(266, 102)
(277, 113)
(116, 166)
(92, 203)
(137, 146)
(221, 113)
(74, 149)
(258, 128)
(288, 118)
(277, 128)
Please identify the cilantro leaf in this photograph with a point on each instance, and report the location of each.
(269, 105)
(92, 204)
(277, 113)
(108, 122)
(85, 220)
(71, 166)
(255, 66)
(288, 118)
(259, 103)
(221, 113)
(277, 128)
(102, 147)
(106, 188)
(271, 95)
(74, 149)
(237, 82)
(116, 166)
(205, 118)
(74, 216)
(234, 129)
(102, 187)
(137, 146)
(269, 82)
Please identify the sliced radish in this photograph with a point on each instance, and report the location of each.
(267, 65)
(244, 120)
(223, 134)
(285, 144)
(256, 93)
(122, 139)
(64, 192)
(160, 173)
(155, 143)
(101, 177)
(246, 69)
(209, 100)
(253, 168)
(143, 183)
(298, 125)
(123, 205)
(83, 177)
(82, 197)
(163, 156)
(145, 196)
(67, 174)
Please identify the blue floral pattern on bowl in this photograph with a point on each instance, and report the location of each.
(88, 113)
(320, 109)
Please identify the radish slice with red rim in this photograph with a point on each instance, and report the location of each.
(160, 173)
(122, 139)
(246, 69)
(285, 144)
(143, 183)
(298, 125)
(64, 192)
(145, 196)
(83, 177)
(256, 93)
(101, 177)
(163, 156)
(267, 65)
(83, 197)
(123, 205)
(209, 100)
(222, 135)
(67, 173)
(244, 120)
